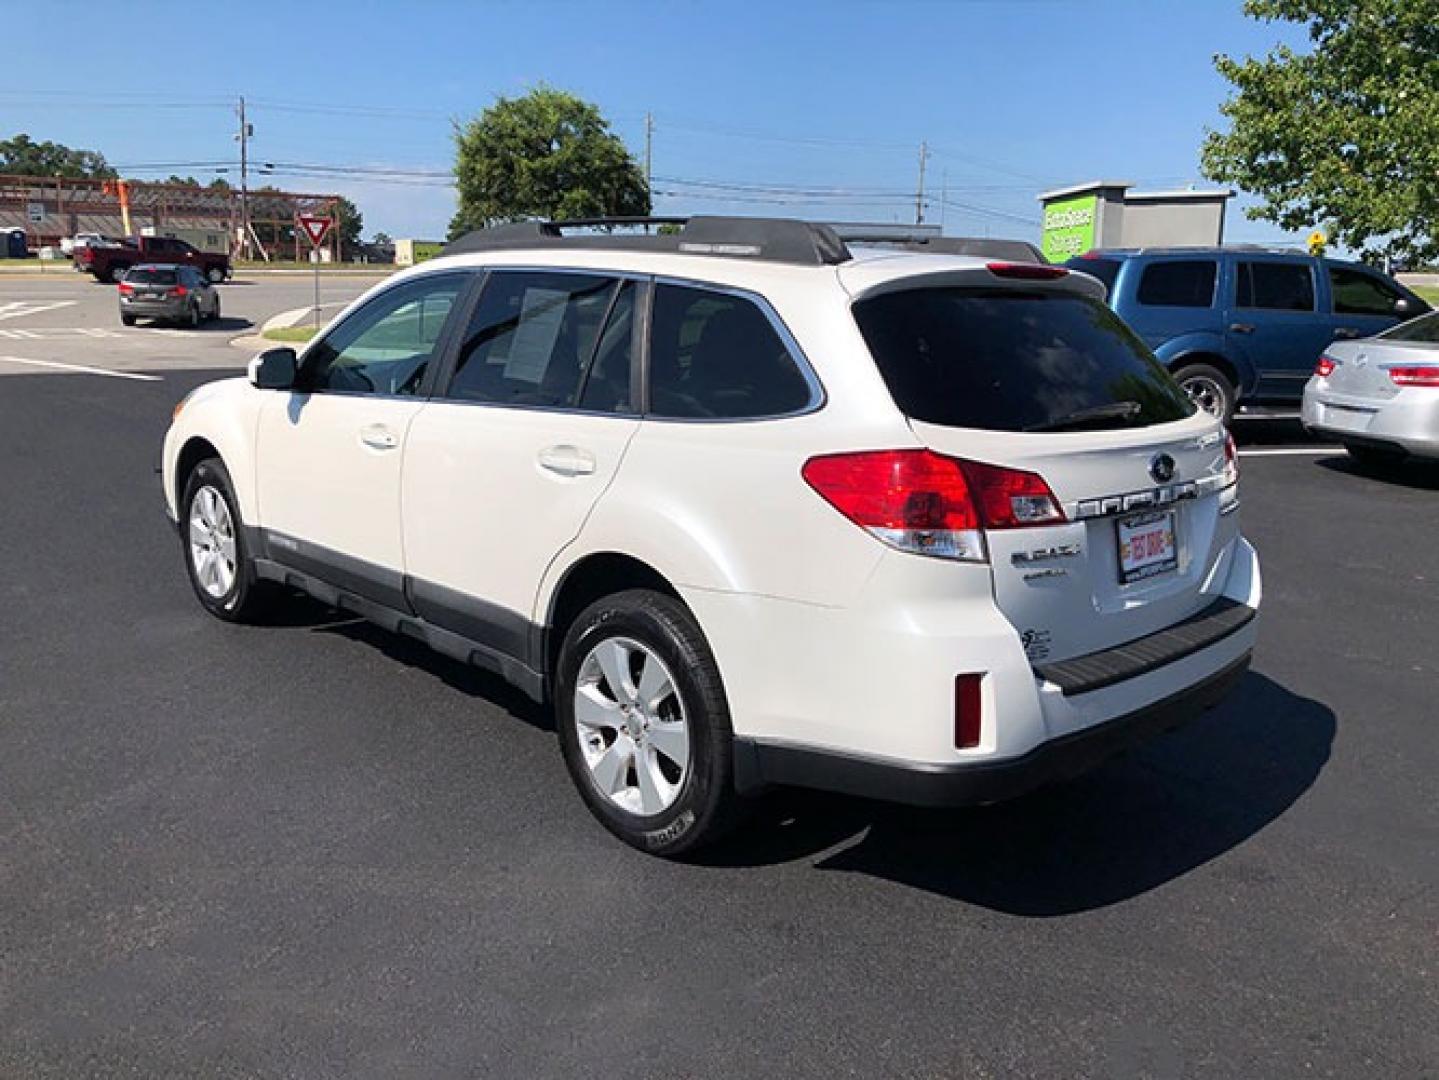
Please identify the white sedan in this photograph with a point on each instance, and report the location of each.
(1379, 396)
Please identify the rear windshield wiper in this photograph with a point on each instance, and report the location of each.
(1115, 410)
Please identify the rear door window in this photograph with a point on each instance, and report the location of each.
(1181, 283)
(1358, 293)
(716, 355)
(531, 340)
(1276, 286)
(1010, 360)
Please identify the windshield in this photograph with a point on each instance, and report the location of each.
(150, 275)
(1421, 331)
(1009, 360)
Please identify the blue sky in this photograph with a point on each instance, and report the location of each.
(788, 97)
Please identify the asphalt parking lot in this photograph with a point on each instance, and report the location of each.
(313, 850)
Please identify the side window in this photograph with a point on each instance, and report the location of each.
(1188, 283)
(606, 385)
(531, 338)
(385, 346)
(714, 354)
(1276, 286)
(1358, 293)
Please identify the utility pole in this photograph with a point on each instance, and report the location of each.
(244, 136)
(943, 198)
(919, 191)
(649, 151)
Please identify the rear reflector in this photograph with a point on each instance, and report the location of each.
(1325, 367)
(930, 504)
(1026, 271)
(1231, 461)
(967, 709)
(1428, 375)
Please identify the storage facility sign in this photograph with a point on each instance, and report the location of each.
(1069, 227)
(35, 211)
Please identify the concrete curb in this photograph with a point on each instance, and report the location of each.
(252, 343)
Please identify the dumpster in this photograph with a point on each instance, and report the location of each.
(12, 244)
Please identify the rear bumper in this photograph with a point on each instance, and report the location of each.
(156, 309)
(1408, 422)
(759, 763)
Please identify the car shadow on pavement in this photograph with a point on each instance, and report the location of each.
(1419, 475)
(1133, 825)
(227, 324)
(466, 678)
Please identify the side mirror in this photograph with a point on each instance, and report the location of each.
(273, 369)
(1403, 308)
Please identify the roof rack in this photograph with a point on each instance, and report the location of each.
(926, 238)
(783, 240)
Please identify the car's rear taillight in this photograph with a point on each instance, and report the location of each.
(1231, 461)
(178, 291)
(1026, 271)
(1425, 375)
(126, 290)
(923, 502)
(1325, 367)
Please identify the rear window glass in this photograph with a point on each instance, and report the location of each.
(1007, 360)
(1188, 283)
(1106, 270)
(1276, 286)
(1423, 330)
(148, 276)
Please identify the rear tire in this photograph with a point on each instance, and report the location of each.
(193, 319)
(116, 273)
(127, 320)
(217, 556)
(216, 275)
(1209, 389)
(623, 743)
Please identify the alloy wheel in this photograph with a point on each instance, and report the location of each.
(1206, 394)
(212, 542)
(633, 730)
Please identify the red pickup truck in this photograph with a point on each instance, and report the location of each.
(110, 263)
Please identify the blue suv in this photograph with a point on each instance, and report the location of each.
(1245, 325)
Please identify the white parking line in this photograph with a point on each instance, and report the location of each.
(1292, 451)
(80, 369)
(16, 309)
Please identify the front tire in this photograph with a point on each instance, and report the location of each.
(1209, 389)
(644, 724)
(217, 557)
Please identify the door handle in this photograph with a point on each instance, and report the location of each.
(1242, 327)
(378, 437)
(1347, 333)
(567, 461)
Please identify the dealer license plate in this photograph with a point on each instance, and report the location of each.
(1146, 545)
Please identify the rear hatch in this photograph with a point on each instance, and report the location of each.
(148, 284)
(1033, 373)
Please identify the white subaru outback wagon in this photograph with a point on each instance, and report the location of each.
(748, 507)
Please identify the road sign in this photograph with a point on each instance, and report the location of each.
(35, 211)
(316, 228)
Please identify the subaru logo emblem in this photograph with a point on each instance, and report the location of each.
(1161, 467)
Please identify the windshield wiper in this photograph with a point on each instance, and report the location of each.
(1115, 410)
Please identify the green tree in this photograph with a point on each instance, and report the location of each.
(348, 221)
(23, 156)
(381, 238)
(1345, 133)
(547, 154)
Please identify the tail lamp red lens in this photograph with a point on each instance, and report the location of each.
(179, 291)
(1426, 375)
(1231, 461)
(930, 504)
(127, 290)
(968, 711)
(1026, 271)
(1325, 367)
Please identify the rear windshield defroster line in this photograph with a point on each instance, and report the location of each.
(1011, 360)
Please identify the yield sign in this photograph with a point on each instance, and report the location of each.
(316, 228)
